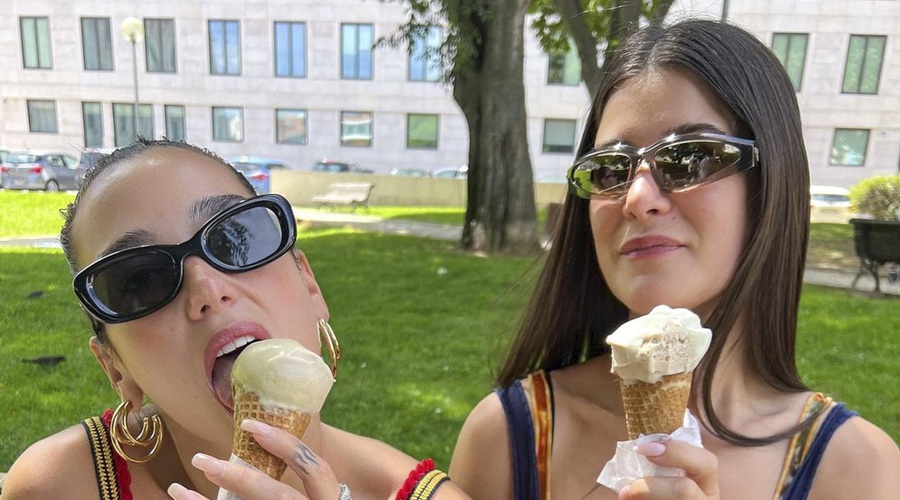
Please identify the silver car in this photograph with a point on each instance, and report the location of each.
(43, 170)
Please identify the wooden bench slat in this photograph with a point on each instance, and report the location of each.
(355, 194)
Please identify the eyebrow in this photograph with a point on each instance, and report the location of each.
(684, 128)
(200, 212)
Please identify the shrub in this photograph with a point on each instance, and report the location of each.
(878, 197)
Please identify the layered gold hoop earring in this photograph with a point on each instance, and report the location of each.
(151, 434)
(329, 339)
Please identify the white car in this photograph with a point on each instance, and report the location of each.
(829, 204)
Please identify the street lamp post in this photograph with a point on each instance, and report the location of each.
(133, 31)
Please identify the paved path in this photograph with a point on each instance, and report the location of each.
(837, 278)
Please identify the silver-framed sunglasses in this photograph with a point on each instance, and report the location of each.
(677, 163)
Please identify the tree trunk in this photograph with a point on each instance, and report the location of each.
(572, 14)
(490, 91)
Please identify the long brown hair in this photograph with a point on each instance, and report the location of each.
(572, 309)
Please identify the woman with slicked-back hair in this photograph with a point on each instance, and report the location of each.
(690, 190)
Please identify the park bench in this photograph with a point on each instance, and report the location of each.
(877, 242)
(354, 194)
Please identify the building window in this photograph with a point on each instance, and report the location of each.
(356, 128)
(559, 136)
(228, 124)
(92, 118)
(564, 68)
(790, 48)
(123, 122)
(849, 147)
(159, 45)
(425, 56)
(35, 42)
(290, 126)
(42, 116)
(290, 49)
(96, 44)
(224, 48)
(356, 51)
(421, 131)
(174, 122)
(863, 68)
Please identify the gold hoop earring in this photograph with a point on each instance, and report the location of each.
(327, 337)
(151, 434)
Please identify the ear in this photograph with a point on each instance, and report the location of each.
(312, 287)
(119, 378)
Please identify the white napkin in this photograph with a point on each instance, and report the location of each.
(627, 465)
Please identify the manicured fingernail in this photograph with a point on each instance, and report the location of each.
(256, 427)
(653, 449)
(176, 489)
(207, 464)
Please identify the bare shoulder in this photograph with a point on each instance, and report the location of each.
(861, 461)
(482, 462)
(59, 466)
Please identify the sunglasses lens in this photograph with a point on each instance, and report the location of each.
(604, 174)
(686, 164)
(247, 238)
(135, 284)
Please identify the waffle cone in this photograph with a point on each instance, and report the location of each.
(247, 405)
(656, 408)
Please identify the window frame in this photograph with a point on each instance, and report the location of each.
(572, 54)
(863, 65)
(865, 151)
(356, 54)
(168, 117)
(84, 123)
(427, 57)
(143, 108)
(225, 53)
(305, 119)
(158, 40)
(345, 143)
(437, 130)
(544, 144)
(291, 72)
(32, 112)
(240, 111)
(38, 42)
(791, 37)
(105, 60)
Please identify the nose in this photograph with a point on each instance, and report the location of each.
(206, 289)
(644, 198)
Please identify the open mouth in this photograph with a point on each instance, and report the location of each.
(221, 372)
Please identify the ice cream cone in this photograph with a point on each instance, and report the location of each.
(656, 408)
(245, 447)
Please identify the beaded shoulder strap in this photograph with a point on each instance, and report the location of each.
(800, 443)
(540, 400)
(104, 466)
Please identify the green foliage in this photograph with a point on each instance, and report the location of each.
(877, 196)
(551, 31)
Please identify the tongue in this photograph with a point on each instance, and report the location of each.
(221, 378)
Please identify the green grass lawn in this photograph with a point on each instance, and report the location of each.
(420, 346)
(26, 213)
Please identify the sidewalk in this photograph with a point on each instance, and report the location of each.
(835, 278)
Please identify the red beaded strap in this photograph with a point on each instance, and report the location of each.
(123, 476)
(424, 467)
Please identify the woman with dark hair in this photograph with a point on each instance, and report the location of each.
(727, 241)
(179, 266)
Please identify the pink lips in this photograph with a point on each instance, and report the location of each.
(224, 337)
(649, 246)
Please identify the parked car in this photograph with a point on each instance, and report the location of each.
(337, 167)
(43, 170)
(829, 204)
(452, 173)
(3, 153)
(411, 172)
(89, 158)
(258, 170)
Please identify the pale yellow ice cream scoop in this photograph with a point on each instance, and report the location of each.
(654, 356)
(281, 383)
